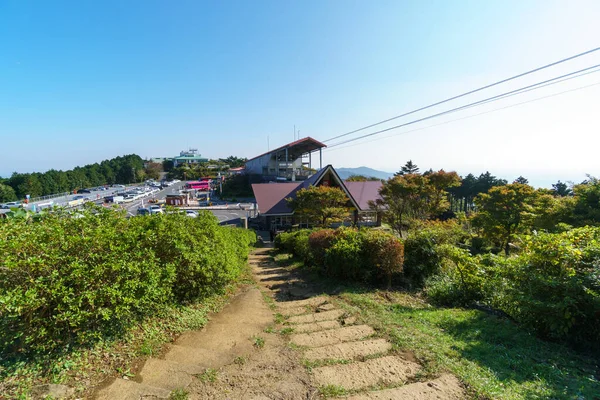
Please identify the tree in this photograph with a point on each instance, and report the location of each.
(410, 197)
(360, 178)
(505, 211)
(153, 170)
(586, 210)
(522, 180)
(561, 189)
(7, 193)
(234, 162)
(408, 168)
(321, 205)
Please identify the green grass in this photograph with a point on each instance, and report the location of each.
(179, 394)
(209, 375)
(258, 341)
(495, 358)
(287, 331)
(332, 391)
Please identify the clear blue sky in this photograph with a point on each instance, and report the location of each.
(84, 81)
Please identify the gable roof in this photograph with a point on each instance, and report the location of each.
(363, 192)
(271, 197)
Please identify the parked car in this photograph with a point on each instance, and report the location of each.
(143, 211)
(84, 191)
(191, 213)
(12, 204)
(155, 209)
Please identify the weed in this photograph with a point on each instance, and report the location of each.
(269, 329)
(269, 300)
(279, 319)
(258, 341)
(240, 360)
(209, 375)
(332, 391)
(179, 394)
(287, 330)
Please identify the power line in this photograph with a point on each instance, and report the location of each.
(333, 148)
(466, 93)
(480, 102)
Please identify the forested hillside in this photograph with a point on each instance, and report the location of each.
(122, 169)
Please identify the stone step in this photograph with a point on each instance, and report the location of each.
(348, 350)
(446, 387)
(121, 389)
(313, 301)
(317, 317)
(166, 374)
(273, 277)
(316, 326)
(363, 375)
(332, 336)
(290, 312)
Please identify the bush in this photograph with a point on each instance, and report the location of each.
(319, 242)
(422, 258)
(461, 280)
(556, 284)
(68, 281)
(364, 255)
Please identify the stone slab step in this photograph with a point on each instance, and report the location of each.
(312, 301)
(121, 389)
(292, 311)
(348, 350)
(317, 317)
(316, 326)
(332, 336)
(446, 387)
(363, 375)
(203, 358)
(166, 374)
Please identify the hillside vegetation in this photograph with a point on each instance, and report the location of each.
(530, 259)
(67, 283)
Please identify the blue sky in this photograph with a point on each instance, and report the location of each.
(84, 81)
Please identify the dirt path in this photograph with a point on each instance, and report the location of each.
(300, 346)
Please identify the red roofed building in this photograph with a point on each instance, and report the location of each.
(273, 207)
(291, 162)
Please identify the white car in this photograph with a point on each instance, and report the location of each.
(191, 213)
(155, 209)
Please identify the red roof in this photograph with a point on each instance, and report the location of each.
(363, 192)
(307, 142)
(271, 197)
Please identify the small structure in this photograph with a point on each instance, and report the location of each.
(177, 199)
(289, 162)
(274, 211)
(190, 156)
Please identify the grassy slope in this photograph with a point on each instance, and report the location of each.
(494, 357)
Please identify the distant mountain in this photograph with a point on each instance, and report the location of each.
(345, 173)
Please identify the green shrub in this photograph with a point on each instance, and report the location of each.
(422, 258)
(556, 284)
(364, 255)
(344, 258)
(68, 281)
(461, 280)
(319, 242)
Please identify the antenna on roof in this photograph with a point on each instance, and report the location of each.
(294, 132)
(268, 148)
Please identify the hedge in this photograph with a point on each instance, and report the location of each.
(68, 281)
(364, 255)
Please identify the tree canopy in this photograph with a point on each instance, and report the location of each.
(320, 205)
